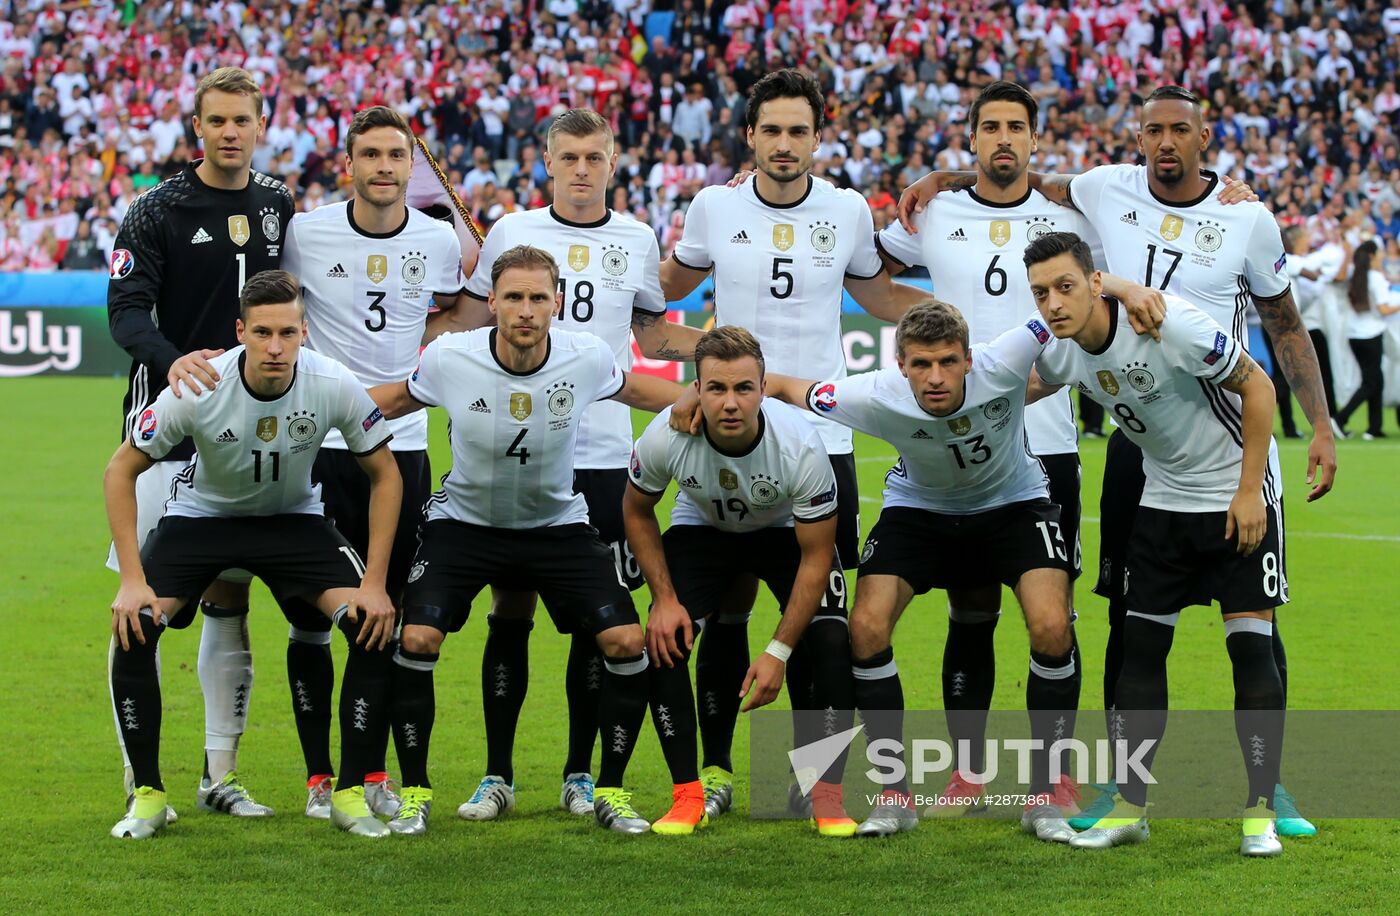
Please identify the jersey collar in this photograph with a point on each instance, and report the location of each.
(762, 428)
(548, 349)
(1112, 327)
(607, 215)
(1214, 180)
(796, 203)
(972, 193)
(350, 215)
(266, 398)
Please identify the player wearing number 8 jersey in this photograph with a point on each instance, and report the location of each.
(966, 506)
(1211, 522)
(608, 279)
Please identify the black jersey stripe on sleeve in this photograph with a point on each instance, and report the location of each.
(1212, 395)
(641, 489)
(370, 451)
(880, 246)
(675, 258)
(821, 518)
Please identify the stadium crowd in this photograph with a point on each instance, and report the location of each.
(96, 97)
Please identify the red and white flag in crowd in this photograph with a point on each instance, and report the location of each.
(428, 187)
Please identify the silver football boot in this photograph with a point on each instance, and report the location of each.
(1046, 822)
(614, 811)
(350, 813)
(892, 816)
(719, 790)
(576, 794)
(1125, 825)
(1260, 838)
(145, 815)
(227, 796)
(412, 816)
(318, 799)
(383, 797)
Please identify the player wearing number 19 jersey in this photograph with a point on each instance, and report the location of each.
(966, 506)
(1210, 526)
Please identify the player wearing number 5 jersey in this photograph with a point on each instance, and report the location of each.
(180, 260)
(966, 506)
(371, 270)
(608, 280)
(1211, 522)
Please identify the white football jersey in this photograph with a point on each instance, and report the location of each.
(607, 270)
(253, 455)
(513, 435)
(779, 272)
(368, 295)
(784, 475)
(1166, 398)
(1214, 255)
(972, 248)
(969, 461)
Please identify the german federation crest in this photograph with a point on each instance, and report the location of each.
(763, 491)
(823, 237)
(267, 428)
(561, 401)
(1209, 237)
(520, 404)
(999, 232)
(271, 227)
(301, 426)
(1172, 226)
(578, 258)
(997, 409)
(414, 271)
(614, 261)
(1107, 382)
(1139, 377)
(960, 426)
(377, 268)
(783, 237)
(238, 231)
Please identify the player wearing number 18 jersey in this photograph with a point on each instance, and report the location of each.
(608, 279)
(1210, 526)
(966, 506)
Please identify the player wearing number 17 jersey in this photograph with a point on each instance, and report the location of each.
(966, 506)
(1210, 526)
(608, 277)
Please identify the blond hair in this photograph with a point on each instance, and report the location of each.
(233, 80)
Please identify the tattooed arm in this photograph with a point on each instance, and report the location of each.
(1247, 518)
(1298, 361)
(662, 339)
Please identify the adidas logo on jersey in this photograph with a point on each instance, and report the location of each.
(1130, 218)
(740, 238)
(920, 434)
(226, 436)
(200, 237)
(337, 273)
(480, 406)
(691, 482)
(958, 236)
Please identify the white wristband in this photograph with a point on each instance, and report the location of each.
(780, 651)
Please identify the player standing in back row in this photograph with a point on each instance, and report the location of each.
(182, 256)
(608, 278)
(781, 248)
(371, 268)
(1164, 222)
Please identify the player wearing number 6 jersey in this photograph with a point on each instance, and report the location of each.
(371, 270)
(247, 501)
(608, 279)
(965, 506)
(1211, 522)
(507, 514)
(756, 497)
(182, 255)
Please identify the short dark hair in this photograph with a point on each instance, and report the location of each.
(270, 287)
(367, 119)
(726, 344)
(1173, 92)
(1004, 91)
(525, 257)
(786, 84)
(931, 323)
(1053, 244)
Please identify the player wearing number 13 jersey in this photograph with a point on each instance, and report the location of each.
(965, 507)
(1210, 526)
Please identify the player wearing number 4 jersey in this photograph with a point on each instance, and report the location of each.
(965, 507)
(507, 514)
(608, 279)
(1211, 522)
(247, 501)
(756, 497)
(182, 256)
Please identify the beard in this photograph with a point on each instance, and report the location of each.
(797, 172)
(1170, 178)
(1004, 174)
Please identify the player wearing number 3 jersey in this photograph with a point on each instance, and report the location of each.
(966, 506)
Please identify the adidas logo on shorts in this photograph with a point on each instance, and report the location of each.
(226, 436)
(740, 238)
(920, 434)
(691, 482)
(958, 236)
(479, 405)
(1130, 218)
(337, 273)
(201, 237)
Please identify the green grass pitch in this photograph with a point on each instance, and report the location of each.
(62, 766)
